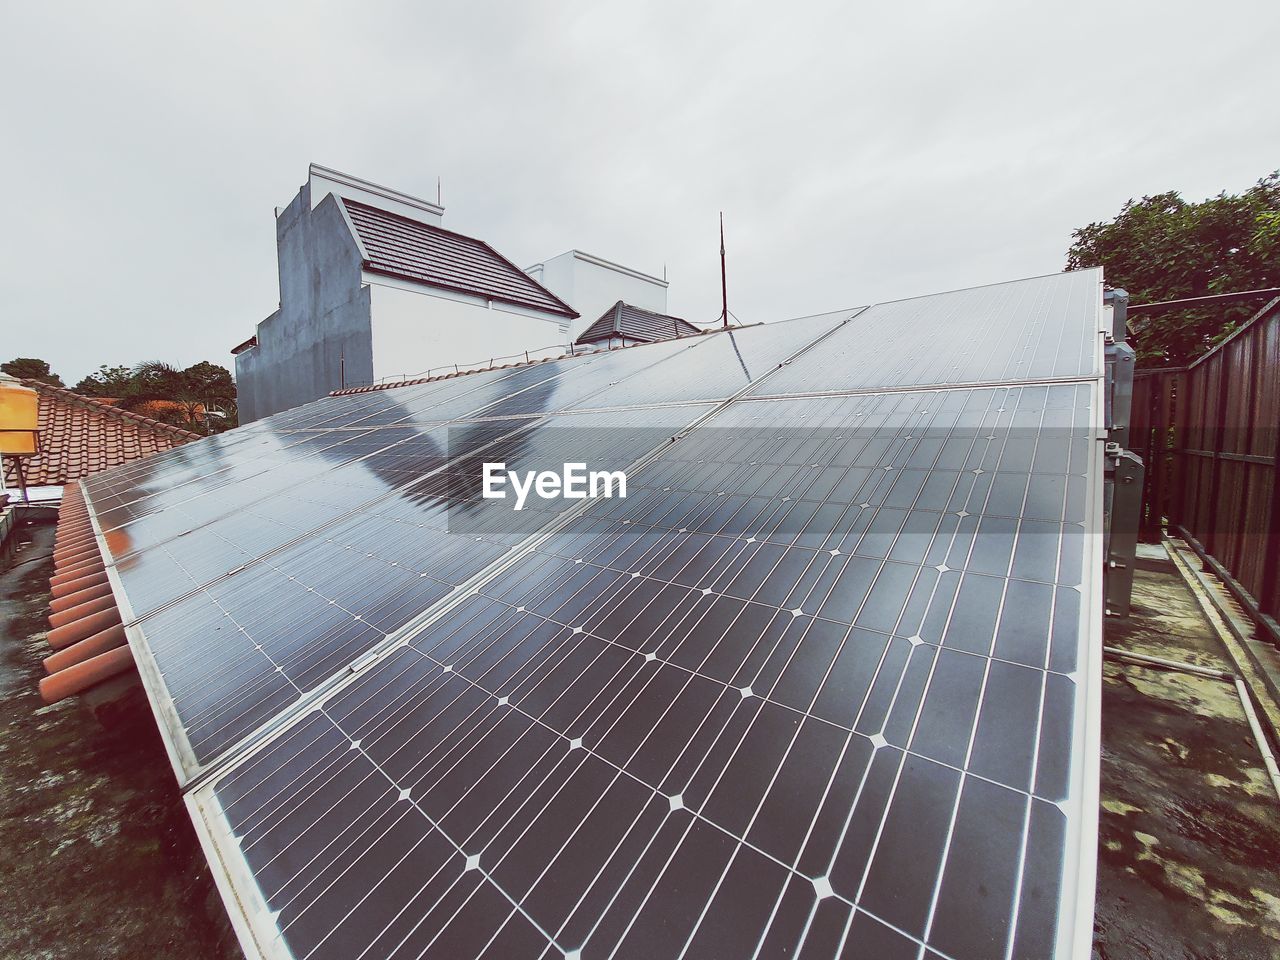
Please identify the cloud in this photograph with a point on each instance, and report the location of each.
(859, 152)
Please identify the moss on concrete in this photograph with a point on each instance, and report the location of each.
(97, 856)
(1189, 844)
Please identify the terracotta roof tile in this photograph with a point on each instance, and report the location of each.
(81, 435)
(85, 629)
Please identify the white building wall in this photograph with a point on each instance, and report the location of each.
(416, 332)
(323, 181)
(589, 284)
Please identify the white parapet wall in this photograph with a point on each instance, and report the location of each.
(419, 331)
(591, 284)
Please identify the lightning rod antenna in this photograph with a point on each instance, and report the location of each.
(724, 289)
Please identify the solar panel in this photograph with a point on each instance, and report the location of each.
(239, 637)
(722, 365)
(786, 704)
(1008, 332)
(821, 685)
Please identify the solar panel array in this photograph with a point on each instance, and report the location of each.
(819, 686)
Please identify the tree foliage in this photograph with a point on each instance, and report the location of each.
(107, 382)
(29, 368)
(1163, 248)
(203, 396)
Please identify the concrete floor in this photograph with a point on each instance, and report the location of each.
(1189, 845)
(98, 858)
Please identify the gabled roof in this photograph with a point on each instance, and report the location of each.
(81, 435)
(636, 323)
(401, 247)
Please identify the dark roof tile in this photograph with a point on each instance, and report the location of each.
(636, 323)
(437, 257)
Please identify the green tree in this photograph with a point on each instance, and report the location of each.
(1164, 248)
(212, 381)
(107, 382)
(217, 391)
(201, 397)
(29, 368)
(204, 393)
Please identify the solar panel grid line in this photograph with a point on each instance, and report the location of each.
(468, 414)
(517, 908)
(171, 725)
(589, 649)
(567, 516)
(304, 533)
(695, 814)
(763, 853)
(923, 388)
(239, 694)
(971, 739)
(762, 800)
(428, 391)
(515, 904)
(834, 768)
(337, 677)
(805, 347)
(977, 713)
(356, 617)
(929, 348)
(692, 672)
(573, 365)
(1035, 757)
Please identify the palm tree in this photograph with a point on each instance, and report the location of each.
(155, 385)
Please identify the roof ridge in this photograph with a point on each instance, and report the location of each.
(655, 313)
(96, 406)
(416, 381)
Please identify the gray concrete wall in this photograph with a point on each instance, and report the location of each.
(323, 323)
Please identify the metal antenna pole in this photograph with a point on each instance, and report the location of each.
(724, 289)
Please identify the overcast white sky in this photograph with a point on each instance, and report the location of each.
(860, 152)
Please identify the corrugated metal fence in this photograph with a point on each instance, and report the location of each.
(1209, 434)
